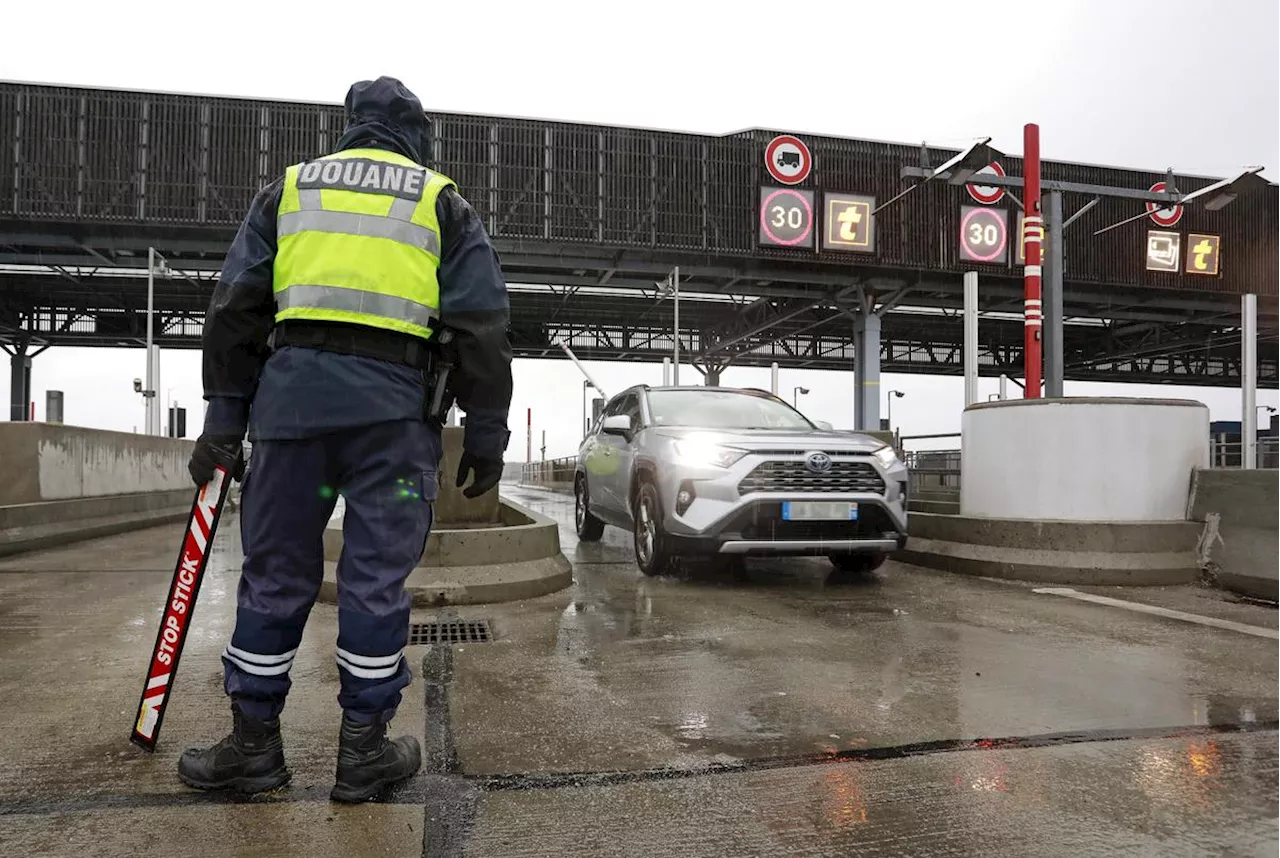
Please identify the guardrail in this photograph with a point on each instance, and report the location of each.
(549, 471)
(1229, 454)
(931, 470)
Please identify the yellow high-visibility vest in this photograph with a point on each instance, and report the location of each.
(358, 241)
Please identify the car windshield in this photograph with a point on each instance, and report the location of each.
(721, 409)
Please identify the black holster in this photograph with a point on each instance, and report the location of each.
(439, 396)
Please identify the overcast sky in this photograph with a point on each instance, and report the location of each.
(1136, 83)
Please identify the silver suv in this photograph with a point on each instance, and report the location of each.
(732, 472)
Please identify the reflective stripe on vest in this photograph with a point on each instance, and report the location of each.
(346, 223)
(359, 242)
(355, 301)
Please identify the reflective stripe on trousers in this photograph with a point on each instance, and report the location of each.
(369, 666)
(356, 301)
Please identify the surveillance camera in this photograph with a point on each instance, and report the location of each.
(137, 385)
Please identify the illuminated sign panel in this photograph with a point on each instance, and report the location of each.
(1202, 254)
(1163, 250)
(786, 217)
(849, 224)
(984, 234)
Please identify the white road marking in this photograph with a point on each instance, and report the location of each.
(1243, 628)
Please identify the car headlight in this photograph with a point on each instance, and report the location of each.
(887, 456)
(692, 451)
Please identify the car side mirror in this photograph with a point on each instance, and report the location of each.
(822, 424)
(616, 424)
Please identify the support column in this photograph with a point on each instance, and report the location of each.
(153, 365)
(713, 376)
(970, 338)
(1053, 265)
(866, 400)
(1249, 382)
(20, 384)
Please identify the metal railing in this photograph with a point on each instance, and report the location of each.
(931, 470)
(549, 471)
(1224, 453)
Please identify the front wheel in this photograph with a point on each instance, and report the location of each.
(588, 527)
(653, 555)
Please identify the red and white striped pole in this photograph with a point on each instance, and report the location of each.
(1032, 234)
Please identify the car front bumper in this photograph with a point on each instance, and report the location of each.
(721, 519)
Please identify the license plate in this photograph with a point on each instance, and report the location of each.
(819, 511)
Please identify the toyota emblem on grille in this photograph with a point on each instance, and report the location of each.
(819, 462)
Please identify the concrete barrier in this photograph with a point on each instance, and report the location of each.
(46, 462)
(60, 484)
(1059, 552)
(1239, 545)
(451, 505)
(32, 526)
(945, 501)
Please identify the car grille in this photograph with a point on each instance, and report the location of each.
(843, 477)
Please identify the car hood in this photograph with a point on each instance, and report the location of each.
(780, 440)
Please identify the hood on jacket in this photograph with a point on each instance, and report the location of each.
(384, 114)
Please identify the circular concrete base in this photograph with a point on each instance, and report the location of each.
(432, 587)
(1155, 553)
(520, 559)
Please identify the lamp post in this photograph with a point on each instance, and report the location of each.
(796, 393)
(670, 288)
(898, 394)
(153, 410)
(586, 422)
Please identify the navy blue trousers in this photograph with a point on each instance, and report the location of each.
(387, 475)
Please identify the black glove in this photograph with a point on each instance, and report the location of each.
(212, 452)
(488, 474)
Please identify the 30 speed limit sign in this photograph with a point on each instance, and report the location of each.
(786, 217)
(984, 234)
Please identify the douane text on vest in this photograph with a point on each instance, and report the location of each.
(359, 174)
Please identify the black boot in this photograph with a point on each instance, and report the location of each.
(367, 762)
(250, 759)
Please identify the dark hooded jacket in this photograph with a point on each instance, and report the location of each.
(298, 393)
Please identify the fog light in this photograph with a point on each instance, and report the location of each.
(684, 497)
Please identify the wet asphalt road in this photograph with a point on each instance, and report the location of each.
(913, 713)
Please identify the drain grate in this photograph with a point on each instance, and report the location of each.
(450, 632)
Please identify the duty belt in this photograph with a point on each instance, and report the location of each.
(354, 340)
